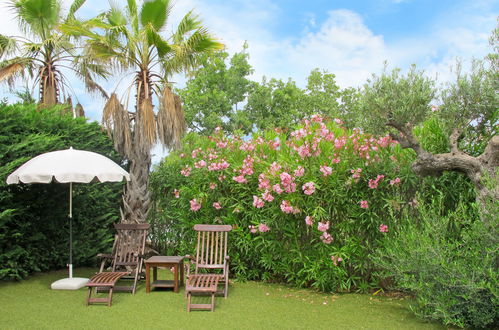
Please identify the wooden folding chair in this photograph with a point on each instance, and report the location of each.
(126, 260)
(211, 264)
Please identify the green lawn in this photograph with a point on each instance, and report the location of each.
(30, 304)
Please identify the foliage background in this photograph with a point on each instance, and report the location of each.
(34, 228)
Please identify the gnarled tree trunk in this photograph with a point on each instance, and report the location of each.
(482, 170)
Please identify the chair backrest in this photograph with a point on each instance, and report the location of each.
(211, 246)
(129, 244)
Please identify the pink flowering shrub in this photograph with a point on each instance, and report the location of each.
(308, 206)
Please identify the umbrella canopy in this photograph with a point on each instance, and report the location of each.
(69, 165)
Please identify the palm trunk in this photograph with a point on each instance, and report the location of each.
(136, 199)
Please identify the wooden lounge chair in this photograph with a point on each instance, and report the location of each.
(126, 262)
(211, 264)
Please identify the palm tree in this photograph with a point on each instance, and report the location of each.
(132, 42)
(47, 52)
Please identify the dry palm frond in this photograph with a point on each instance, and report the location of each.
(146, 125)
(9, 71)
(79, 112)
(116, 121)
(171, 121)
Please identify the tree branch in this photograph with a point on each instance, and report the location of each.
(453, 141)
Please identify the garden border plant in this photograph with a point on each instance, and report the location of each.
(308, 206)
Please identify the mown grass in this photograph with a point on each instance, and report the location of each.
(31, 304)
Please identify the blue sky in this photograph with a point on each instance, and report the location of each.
(352, 39)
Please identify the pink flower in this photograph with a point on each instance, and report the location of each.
(277, 188)
(217, 205)
(221, 144)
(326, 238)
(326, 170)
(221, 178)
(299, 171)
(213, 185)
(200, 164)
(336, 259)
(323, 226)
(267, 196)
(240, 179)
(274, 168)
(373, 184)
(383, 228)
(186, 171)
(176, 193)
(316, 118)
(263, 228)
(338, 121)
(309, 221)
(395, 181)
(263, 183)
(258, 202)
(364, 204)
(252, 229)
(287, 208)
(195, 206)
(308, 188)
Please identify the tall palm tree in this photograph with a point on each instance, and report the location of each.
(46, 51)
(132, 42)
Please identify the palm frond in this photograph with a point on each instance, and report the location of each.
(8, 45)
(145, 125)
(189, 23)
(155, 13)
(116, 121)
(74, 8)
(155, 40)
(37, 17)
(171, 121)
(78, 110)
(11, 69)
(134, 15)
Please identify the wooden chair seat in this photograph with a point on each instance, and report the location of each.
(202, 283)
(100, 280)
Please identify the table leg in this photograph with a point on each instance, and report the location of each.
(148, 284)
(175, 278)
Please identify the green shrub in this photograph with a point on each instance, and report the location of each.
(448, 261)
(352, 186)
(34, 228)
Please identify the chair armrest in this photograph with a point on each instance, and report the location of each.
(105, 255)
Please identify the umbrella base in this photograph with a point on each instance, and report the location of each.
(73, 283)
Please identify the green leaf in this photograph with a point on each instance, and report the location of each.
(155, 13)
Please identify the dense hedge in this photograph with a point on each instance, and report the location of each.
(34, 227)
(338, 188)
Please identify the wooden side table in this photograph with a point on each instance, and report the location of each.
(176, 262)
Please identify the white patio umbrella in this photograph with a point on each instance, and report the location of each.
(69, 166)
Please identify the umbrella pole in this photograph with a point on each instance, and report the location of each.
(70, 230)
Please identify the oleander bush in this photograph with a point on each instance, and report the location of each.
(308, 205)
(34, 228)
